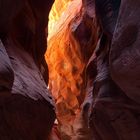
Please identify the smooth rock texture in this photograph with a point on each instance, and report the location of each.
(70, 44)
(28, 80)
(125, 52)
(27, 109)
(93, 59)
(115, 111)
(96, 45)
(6, 71)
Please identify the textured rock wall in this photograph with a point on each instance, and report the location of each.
(70, 45)
(125, 50)
(115, 109)
(26, 106)
(101, 42)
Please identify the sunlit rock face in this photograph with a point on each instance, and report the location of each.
(71, 42)
(26, 106)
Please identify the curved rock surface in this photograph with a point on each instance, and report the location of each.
(125, 52)
(6, 71)
(115, 110)
(26, 107)
(70, 46)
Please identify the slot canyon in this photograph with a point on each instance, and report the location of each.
(69, 70)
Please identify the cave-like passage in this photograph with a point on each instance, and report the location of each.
(72, 37)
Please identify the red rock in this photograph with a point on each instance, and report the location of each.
(26, 106)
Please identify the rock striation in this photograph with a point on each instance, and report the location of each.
(27, 109)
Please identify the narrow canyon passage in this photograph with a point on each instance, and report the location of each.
(87, 99)
(72, 37)
(69, 70)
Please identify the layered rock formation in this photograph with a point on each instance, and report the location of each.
(96, 47)
(69, 49)
(93, 58)
(115, 110)
(26, 106)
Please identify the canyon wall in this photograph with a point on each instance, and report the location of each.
(72, 38)
(93, 60)
(93, 56)
(26, 107)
